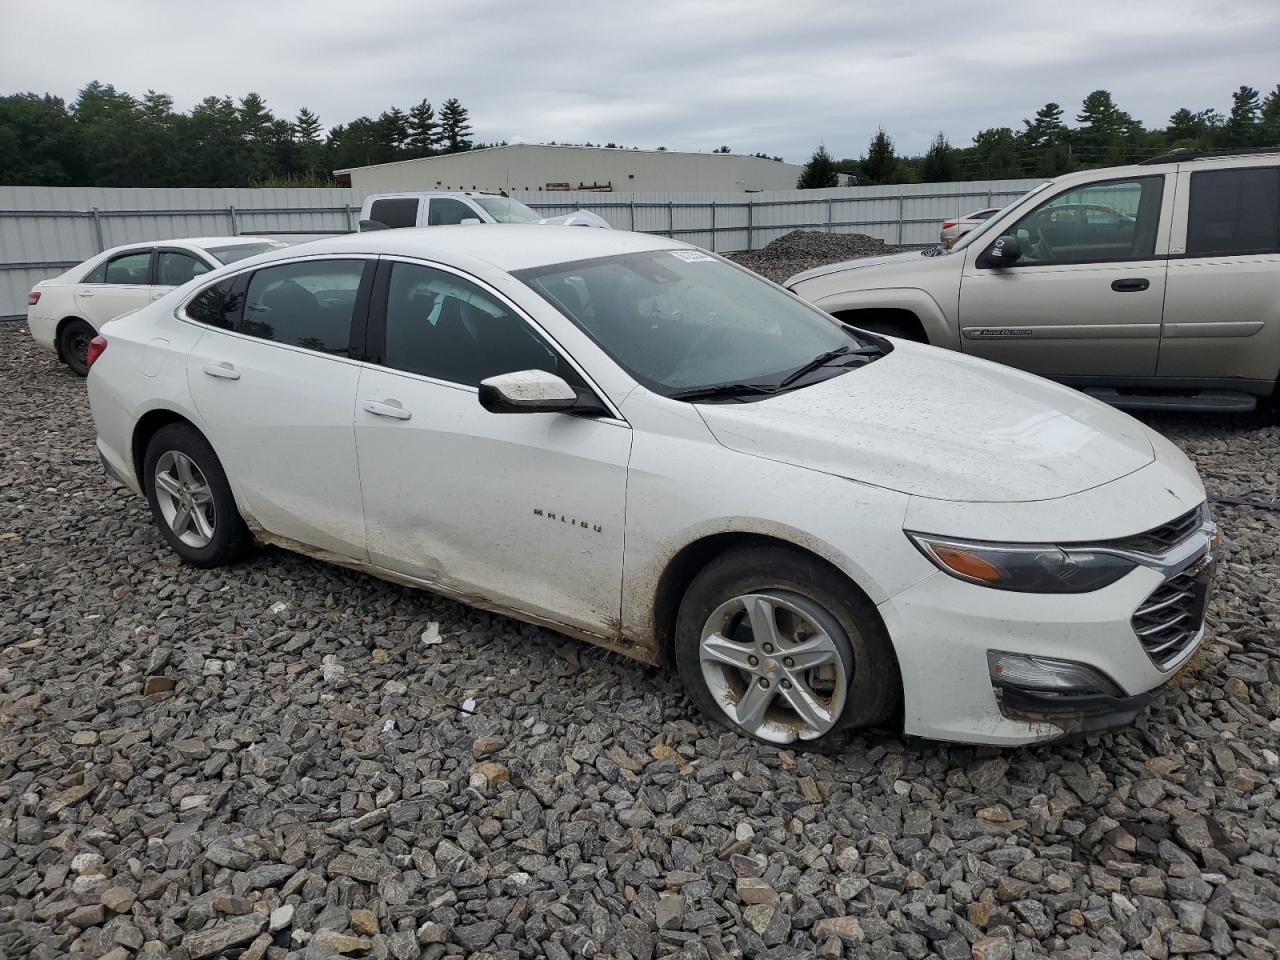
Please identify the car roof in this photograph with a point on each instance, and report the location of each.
(507, 246)
(202, 242)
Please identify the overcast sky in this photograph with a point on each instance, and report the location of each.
(778, 76)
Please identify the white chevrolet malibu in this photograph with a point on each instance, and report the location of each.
(641, 445)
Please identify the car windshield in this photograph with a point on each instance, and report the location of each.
(506, 210)
(986, 224)
(684, 322)
(241, 251)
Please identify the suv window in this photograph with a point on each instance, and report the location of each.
(441, 326)
(173, 268)
(1234, 211)
(1094, 223)
(306, 304)
(395, 211)
(217, 305)
(445, 211)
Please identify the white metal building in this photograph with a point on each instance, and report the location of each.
(529, 166)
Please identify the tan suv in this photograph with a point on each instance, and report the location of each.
(1150, 286)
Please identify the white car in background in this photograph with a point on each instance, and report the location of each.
(636, 443)
(387, 211)
(953, 230)
(64, 312)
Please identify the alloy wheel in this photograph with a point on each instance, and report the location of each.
(773, 666)
(185, 499)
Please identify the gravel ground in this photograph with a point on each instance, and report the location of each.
(271, 760)
(802, 249)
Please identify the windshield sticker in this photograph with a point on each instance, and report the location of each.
(691, 256)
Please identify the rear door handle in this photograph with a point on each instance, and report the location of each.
(1130, 285)
(386, 408)
(223, 371)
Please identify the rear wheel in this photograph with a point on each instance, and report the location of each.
(191, 501)
(73, 341)
(784, 648)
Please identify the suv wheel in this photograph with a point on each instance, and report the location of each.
(783, 648)
(191, 501)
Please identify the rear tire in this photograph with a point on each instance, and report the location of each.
(784, 649)
(191, 501)
(73, 342)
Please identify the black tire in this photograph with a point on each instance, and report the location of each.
(230, 537)
(874, 687)
(73, 343)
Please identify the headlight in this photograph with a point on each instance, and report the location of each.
(1026, 568)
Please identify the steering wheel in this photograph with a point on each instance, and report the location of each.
(1043, 247)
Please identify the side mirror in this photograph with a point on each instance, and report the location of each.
(468, 221)
(527, 391)
(367, 225)
(1004, 252)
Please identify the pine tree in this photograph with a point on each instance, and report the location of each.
(395, 128)
(1269, 120)
(455, 128)
(819, 172)
(880, 165)
(939, 163)
(424, 131)
(307, 127)
(1241, 129)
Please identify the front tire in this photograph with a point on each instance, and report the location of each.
(191, 501)
(784, 649)
(73, 342)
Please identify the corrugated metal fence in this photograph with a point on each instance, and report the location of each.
(45, 230)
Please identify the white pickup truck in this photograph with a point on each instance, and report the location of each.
(382, 211)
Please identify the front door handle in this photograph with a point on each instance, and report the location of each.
(1130, 285)
(386, 408)
(223, 371)
(86, 293)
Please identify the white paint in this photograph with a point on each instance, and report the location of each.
(569, 522)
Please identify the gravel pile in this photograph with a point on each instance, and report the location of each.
(286, 759)
(803, 249)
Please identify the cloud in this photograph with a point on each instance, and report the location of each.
(777, 77)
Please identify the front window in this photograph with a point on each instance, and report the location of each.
(683, 321)
(243, 251)
(987, 224)
(1112, 220)
(506, 210)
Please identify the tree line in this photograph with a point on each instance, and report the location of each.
(109, 138)
(1046, 146)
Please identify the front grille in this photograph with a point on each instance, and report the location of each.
(1171, 617)
(1164, 536)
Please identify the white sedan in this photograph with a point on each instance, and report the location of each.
(636, 443)
(953, 230)
(64, 312)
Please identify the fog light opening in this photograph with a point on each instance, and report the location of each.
(1048, 676)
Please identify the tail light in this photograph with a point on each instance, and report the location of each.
(33, 298)
(96, 346)
(948, 225)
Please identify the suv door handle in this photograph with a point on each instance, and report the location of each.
(223, 371)
(386, 408)
(1131, 285)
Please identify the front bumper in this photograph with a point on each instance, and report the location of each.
(943, 628)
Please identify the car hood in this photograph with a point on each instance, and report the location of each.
(935, 424)
(913, 256)
(579, 218)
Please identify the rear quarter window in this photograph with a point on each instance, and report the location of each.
(1234, 211)
(218, 305)
(395, 211)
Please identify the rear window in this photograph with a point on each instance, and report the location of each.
(217, 305)
(307, 304)
(243, 251)
(1234, 211)
(395, 211)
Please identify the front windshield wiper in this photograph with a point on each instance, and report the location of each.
(822, 359)
(724, 391)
